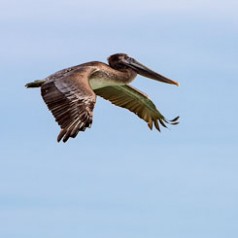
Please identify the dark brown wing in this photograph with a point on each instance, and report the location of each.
(71, 100)
(137, 102)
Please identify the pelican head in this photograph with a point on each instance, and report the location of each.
(122, 61)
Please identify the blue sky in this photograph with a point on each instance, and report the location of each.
(119, 179)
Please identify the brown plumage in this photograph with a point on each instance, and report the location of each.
(70, 94)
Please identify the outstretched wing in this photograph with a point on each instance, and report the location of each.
(137, 102)
(71, 100)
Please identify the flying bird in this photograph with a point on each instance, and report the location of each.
(70, 94)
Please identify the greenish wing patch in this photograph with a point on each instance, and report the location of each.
(136, 101)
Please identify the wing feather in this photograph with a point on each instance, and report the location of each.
(71, 100)
(137, 102)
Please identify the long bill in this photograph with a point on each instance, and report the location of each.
(148, 73)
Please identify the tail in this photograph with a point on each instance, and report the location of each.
(35, 84)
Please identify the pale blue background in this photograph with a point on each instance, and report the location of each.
(119, 179)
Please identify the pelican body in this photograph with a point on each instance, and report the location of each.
(70, 94)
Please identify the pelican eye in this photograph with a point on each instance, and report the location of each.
(131, 60)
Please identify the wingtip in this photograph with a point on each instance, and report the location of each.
(163, 122)
(174, 121)
(61, 135)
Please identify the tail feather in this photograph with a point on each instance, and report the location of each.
(35, 84)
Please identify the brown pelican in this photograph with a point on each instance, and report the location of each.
(70, 94)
